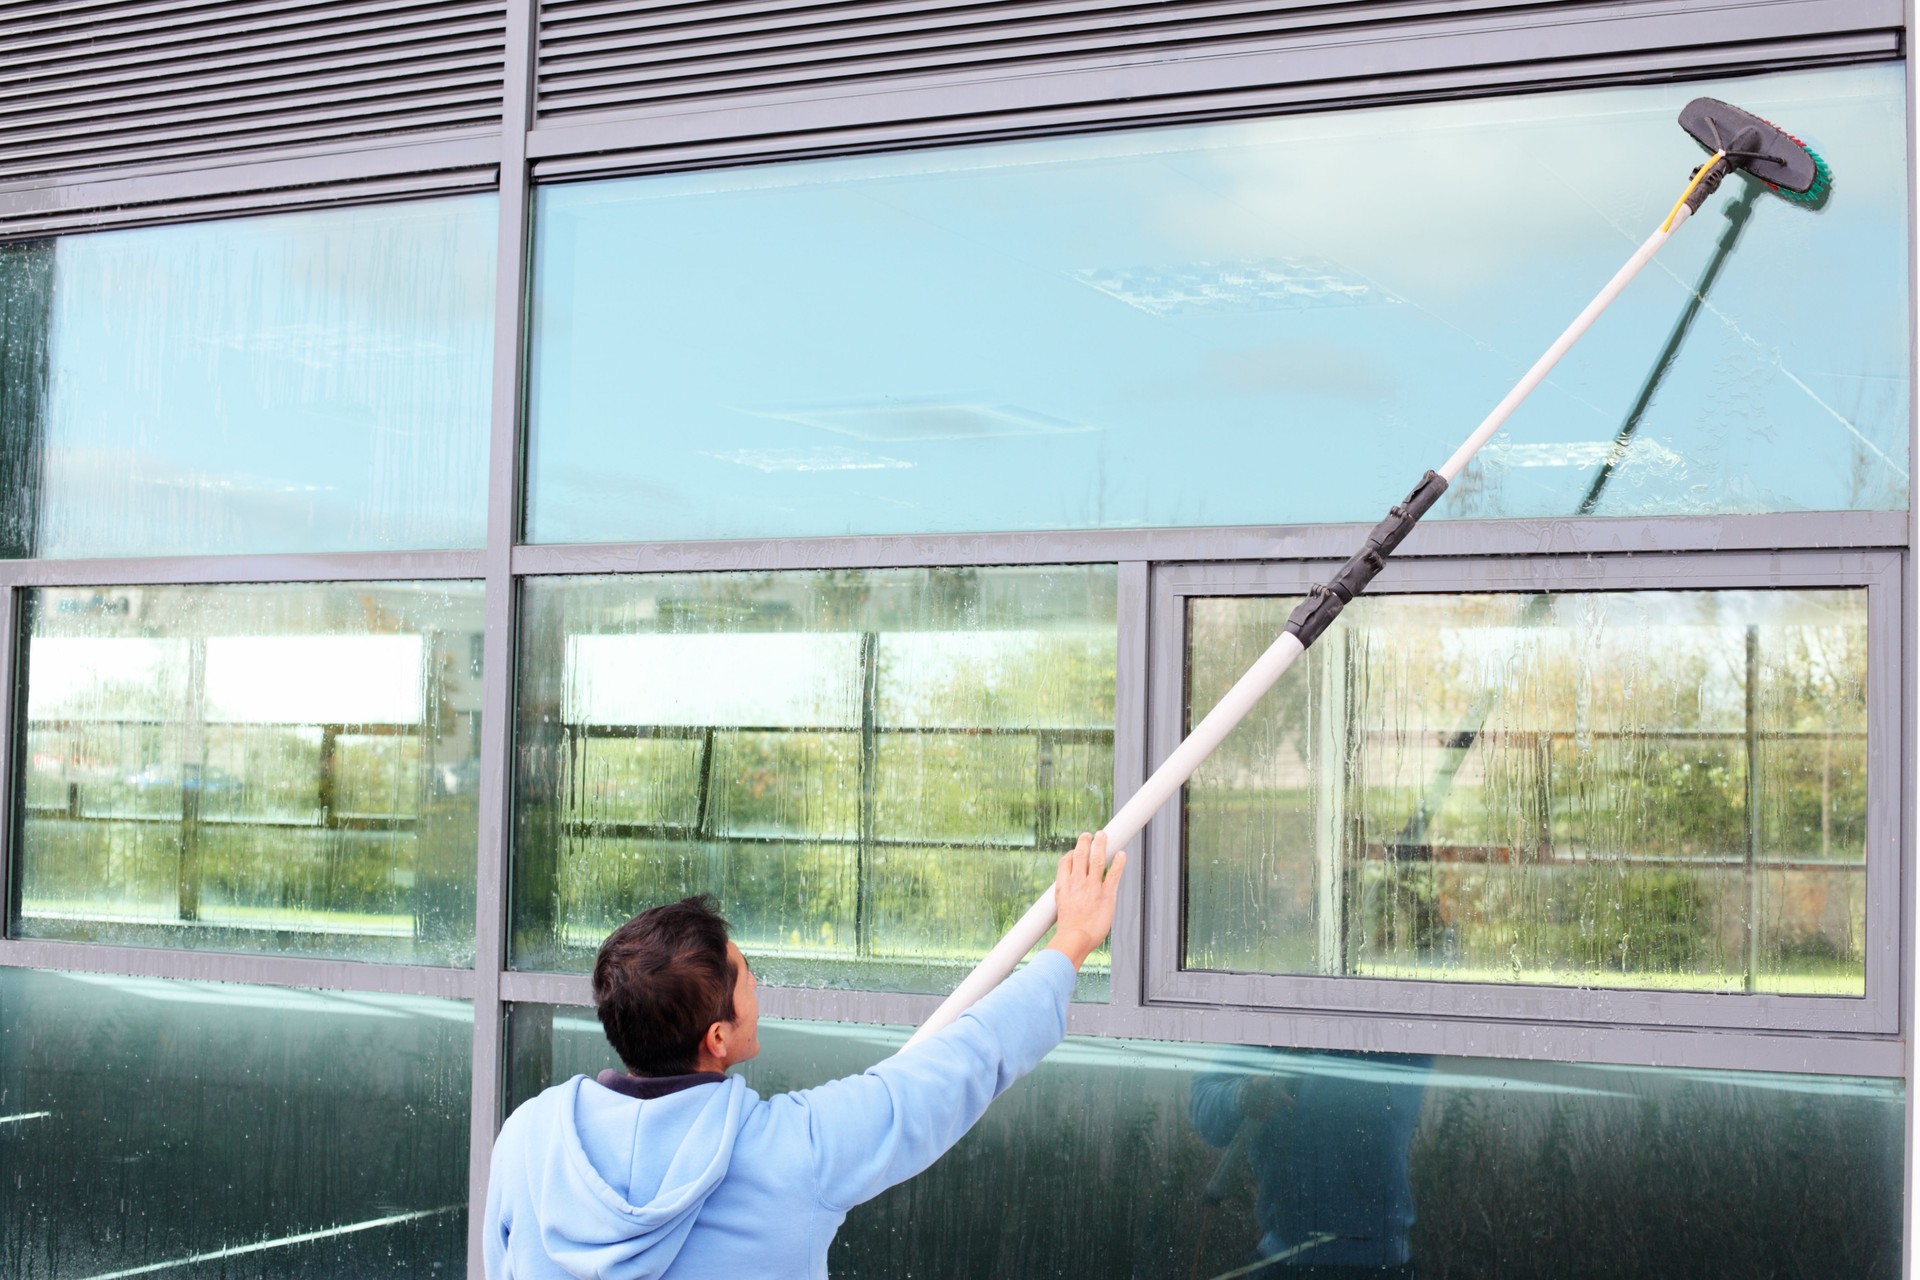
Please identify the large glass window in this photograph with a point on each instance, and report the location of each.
(1197, 325)
(1118, 1157)
(208, 1129)
(287, 768)
(1644, 790)
(300, 382)
(874, 771)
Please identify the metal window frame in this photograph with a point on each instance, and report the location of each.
(1878, 1012)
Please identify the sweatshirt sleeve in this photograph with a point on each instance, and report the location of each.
(871, 1131)
(1215, 1106)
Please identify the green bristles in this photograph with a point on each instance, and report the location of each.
(1822, 180)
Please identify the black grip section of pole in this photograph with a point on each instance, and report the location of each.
(1716, 172)
(1324, 602)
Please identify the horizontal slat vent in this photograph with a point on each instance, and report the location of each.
(612, 55)
(95, 84)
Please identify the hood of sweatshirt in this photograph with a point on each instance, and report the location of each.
(618, 1193)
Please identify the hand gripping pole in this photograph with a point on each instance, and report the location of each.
(1308, 621)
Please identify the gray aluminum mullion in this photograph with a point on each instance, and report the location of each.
(512, 276)
(1887, 800)
(546, 988)
(1163, 865)
(228, 966)
(370, 566)
(470, 147)
(1441, 1036)
(1130, 721)
(1906, 789)
(1435, 538)
(385, 191)
(11, 670)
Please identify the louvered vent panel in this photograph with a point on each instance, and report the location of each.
(610, 55)
(88, 86)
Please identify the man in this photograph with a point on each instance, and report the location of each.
(678, 1171)
(1329, 1151)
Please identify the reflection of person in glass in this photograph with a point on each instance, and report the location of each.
(674, 1170)
(1326, 1137)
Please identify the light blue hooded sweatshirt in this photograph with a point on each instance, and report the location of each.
(715, 1181)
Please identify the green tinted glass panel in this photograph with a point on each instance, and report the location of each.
(1100, 1164)
(1238, 323)
(279, 769)
(203, 1130)
(874, 771)
(300, 382)
(1658, 790)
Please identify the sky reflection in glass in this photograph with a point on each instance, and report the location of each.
(1253, 322)
(300, 382)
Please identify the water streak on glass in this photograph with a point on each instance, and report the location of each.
(287, 769)
(873, 770)
(298, 382)
(1650, 790)
(1198, 325)
(203, 1130)
(1112, 1159)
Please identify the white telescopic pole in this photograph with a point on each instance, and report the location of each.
(1265, 672)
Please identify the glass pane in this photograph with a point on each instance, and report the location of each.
(874, 770)
(1113, 1156)
(281, 769)
(1658, 790)
(300, 382)
(203, 1130)
(1131, 329)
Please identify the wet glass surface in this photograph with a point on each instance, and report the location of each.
(1655, 790)
(201, 1130)
(875, 771)
(1197, 326)
(299, 382)
(285, 769)
(1119, 1158)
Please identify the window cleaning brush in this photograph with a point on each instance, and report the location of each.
(1737, 140)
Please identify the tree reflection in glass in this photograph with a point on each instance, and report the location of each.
(873, 770)
(1636, 789)
(283, 769)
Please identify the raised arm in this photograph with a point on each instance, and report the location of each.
(871, 1131)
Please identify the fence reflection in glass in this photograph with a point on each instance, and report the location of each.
(873, 770)
(1118, 1158)
(288, 768)
(1634, 790)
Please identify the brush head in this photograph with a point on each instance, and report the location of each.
(1759, 147)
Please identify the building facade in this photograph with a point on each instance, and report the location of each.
(476, 469)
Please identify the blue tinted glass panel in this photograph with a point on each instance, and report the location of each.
(1279, 321)
(1119, 1158)
(300, 382)
(202, 1130)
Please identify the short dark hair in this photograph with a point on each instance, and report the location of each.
(660, 981)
